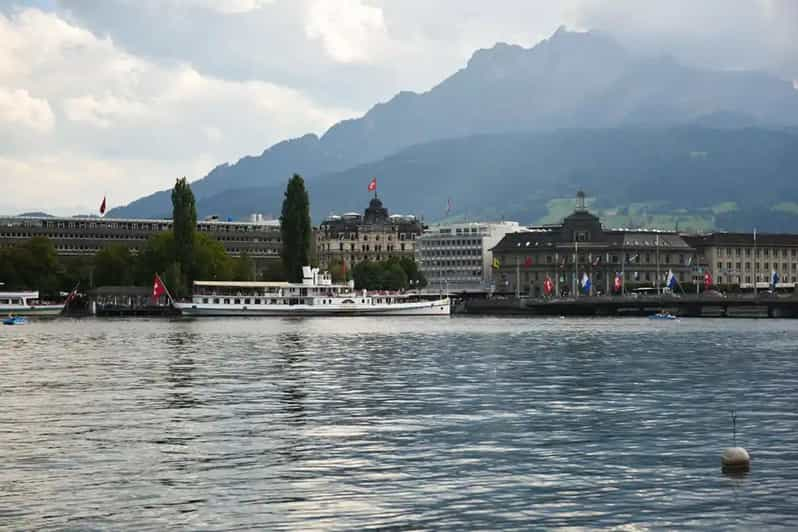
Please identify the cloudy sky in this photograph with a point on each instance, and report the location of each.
(119, 97)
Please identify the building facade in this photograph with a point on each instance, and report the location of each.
(84, 236)
(738, 260)
(580, 246)
(458, 257)
(373, 236)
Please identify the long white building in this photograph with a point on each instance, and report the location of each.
(458, 256)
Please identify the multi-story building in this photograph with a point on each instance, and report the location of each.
(738, 260)
(77, 236)
(580, 245)
(373, 236)
(458, 256)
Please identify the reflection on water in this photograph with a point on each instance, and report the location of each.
(408, 423)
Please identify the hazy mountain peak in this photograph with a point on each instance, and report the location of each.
(572, 79)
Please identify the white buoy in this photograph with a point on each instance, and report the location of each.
(735, 459)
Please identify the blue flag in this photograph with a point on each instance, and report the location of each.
(774, 278)
(671, 280)
(585, 283)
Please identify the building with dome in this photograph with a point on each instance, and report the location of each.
(375, 235)
(581, 246)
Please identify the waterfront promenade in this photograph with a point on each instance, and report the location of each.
(748, 306)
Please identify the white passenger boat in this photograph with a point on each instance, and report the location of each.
(316, 295)
(27, 304)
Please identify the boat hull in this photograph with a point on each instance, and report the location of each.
(439, 307)
(36, 310)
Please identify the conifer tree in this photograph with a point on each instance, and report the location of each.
(184, 225)
(295, 229)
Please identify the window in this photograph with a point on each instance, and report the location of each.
(247, 301)
(226, 301)
(205, 300)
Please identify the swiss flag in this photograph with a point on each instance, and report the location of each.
(373, 184)
(528, 262)
(707, 280)
(102, 206)
(158, 288)
(617, 284)
(548, 286)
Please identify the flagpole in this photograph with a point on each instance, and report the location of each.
(556, 274)
(576, 268)
(756, 259)
(623, 265)
(659, 293)
(165, 289)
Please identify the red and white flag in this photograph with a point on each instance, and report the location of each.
(373, 184)
(707, 280)
(158, 289)
(102, 206)
(548, 286)
(618, 284)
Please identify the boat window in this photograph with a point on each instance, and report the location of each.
(247, 301)
(215, 300)
(273, 301)
(227, 301)
(257, 301)
(237, 301)
(4, 301)
(205, 300)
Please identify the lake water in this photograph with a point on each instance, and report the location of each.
(436, 423)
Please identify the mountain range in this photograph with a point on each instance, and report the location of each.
(518, 130)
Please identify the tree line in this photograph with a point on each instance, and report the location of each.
(183, 255)
(180, 256)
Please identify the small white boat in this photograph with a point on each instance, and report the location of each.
(662, 316)
(316, 295)
(27, 304)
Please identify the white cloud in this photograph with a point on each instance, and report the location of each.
(121, 123)
(230, 6)
(350, 30)
(19, 108)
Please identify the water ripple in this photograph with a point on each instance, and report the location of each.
(413, 424)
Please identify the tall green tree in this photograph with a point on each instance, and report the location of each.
(295, 229)
(211, 262)
(31, 265)
(113, 266)
(184, 225)
(244, 268)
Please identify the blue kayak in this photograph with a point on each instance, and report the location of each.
(15, 320)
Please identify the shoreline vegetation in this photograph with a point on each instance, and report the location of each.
(183, 255)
